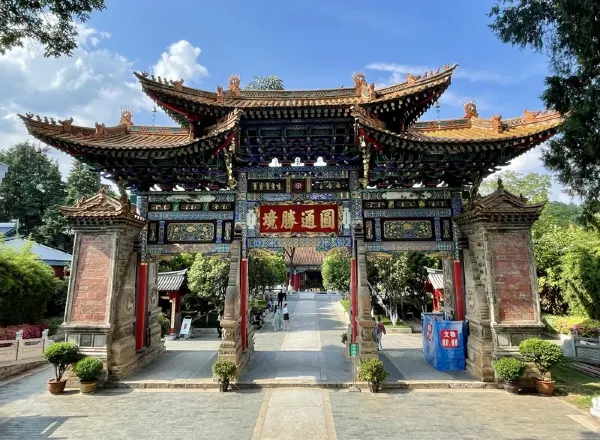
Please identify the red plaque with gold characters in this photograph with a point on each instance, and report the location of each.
(298, 218)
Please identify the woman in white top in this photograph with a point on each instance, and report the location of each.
(286, 317)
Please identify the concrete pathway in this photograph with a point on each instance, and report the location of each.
(28, 411)
(310, 351)
(402, 357)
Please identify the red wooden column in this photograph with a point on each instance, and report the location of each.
(296, 281)
(244, 300)
(142, 295)
(458, 289)
(353, 297)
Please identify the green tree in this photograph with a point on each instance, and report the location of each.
(535, 187)
(265, 83)
(336, 271)
(49, 22)
(569, 33)
(82, 183)
(207, 280)
(31, 186)
(264, 272)
(26, 285)
(185, 260)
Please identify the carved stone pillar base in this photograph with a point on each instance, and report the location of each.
(507, 337)
(231, 347)
(367, 348)
(480, 348)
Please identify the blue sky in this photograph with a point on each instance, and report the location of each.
(309, 44)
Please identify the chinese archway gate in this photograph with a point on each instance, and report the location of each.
(340, 168)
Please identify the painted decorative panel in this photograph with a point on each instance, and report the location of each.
(160, 207)
(406, 194)
(405, 204)
(174, 249)
(411, 229)
(394, 246)
(152, 232)
(299, 218)
(191, 232)
(298, 186)
(180, 196)
(329, 184)
(266, 186)
(191, 215)
(400, 213)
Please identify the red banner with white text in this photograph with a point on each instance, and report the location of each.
(298, 218)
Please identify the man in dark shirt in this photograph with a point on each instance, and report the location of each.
(280, 297)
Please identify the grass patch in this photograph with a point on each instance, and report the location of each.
(346, 304)
(388, 322)
(577, 389)
(258, 304)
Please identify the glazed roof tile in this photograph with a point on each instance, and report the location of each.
(471, 130)
(361, 93)
(168, 281)
(306, 256)
(125, 137)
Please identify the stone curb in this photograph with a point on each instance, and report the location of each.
(200, 384)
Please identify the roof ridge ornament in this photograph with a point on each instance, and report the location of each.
(234, 84)
(497, 123)
(126, 117)
(470, 109)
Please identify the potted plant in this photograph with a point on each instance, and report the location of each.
(510, 370)
(544, 355)
(88, 369)
(344, 338)
(372, 371)
(224, 370)
(60, 355)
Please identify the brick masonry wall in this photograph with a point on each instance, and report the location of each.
(93, 276)
(512, 277)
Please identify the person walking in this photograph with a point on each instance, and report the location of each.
(286, 317)
(219, 327)
(380, 332)
(280, 297)
(277, 317)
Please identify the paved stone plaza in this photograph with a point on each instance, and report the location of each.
(28, 411)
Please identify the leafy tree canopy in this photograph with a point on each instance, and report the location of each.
(569, 33)
(181, 261)
(535, 187)
(265, 83)
(26, 284)
(336, 271)
(49, 22)
(265, 271)
(207, 280)
(32, 185)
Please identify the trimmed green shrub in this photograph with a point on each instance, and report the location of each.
(88, 368)
(371, 370)
(509, 368)
(61, 354)
(580, 279)
(165, 324)
(224, 370)
(542, 353)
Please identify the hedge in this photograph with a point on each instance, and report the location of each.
(564, 324)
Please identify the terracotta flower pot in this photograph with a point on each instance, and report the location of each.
(511, 386)
(544, 386)
(56, 387)
(88, 387)
(223, 385)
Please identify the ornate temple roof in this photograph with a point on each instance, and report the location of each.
(128, 137)
(408, 100)
(305, 256)
(360, 126)
(103, 209)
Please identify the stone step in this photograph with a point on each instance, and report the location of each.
(274, 383)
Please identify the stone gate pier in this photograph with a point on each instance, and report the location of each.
(501, 291)
(112, 301)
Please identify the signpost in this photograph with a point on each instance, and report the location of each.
(354, 355)
(186, 328)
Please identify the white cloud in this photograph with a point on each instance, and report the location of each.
(180, 61)
(91, 86)
(399, 71)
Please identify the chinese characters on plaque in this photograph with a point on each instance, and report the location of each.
(449, 338)
(298, 218)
